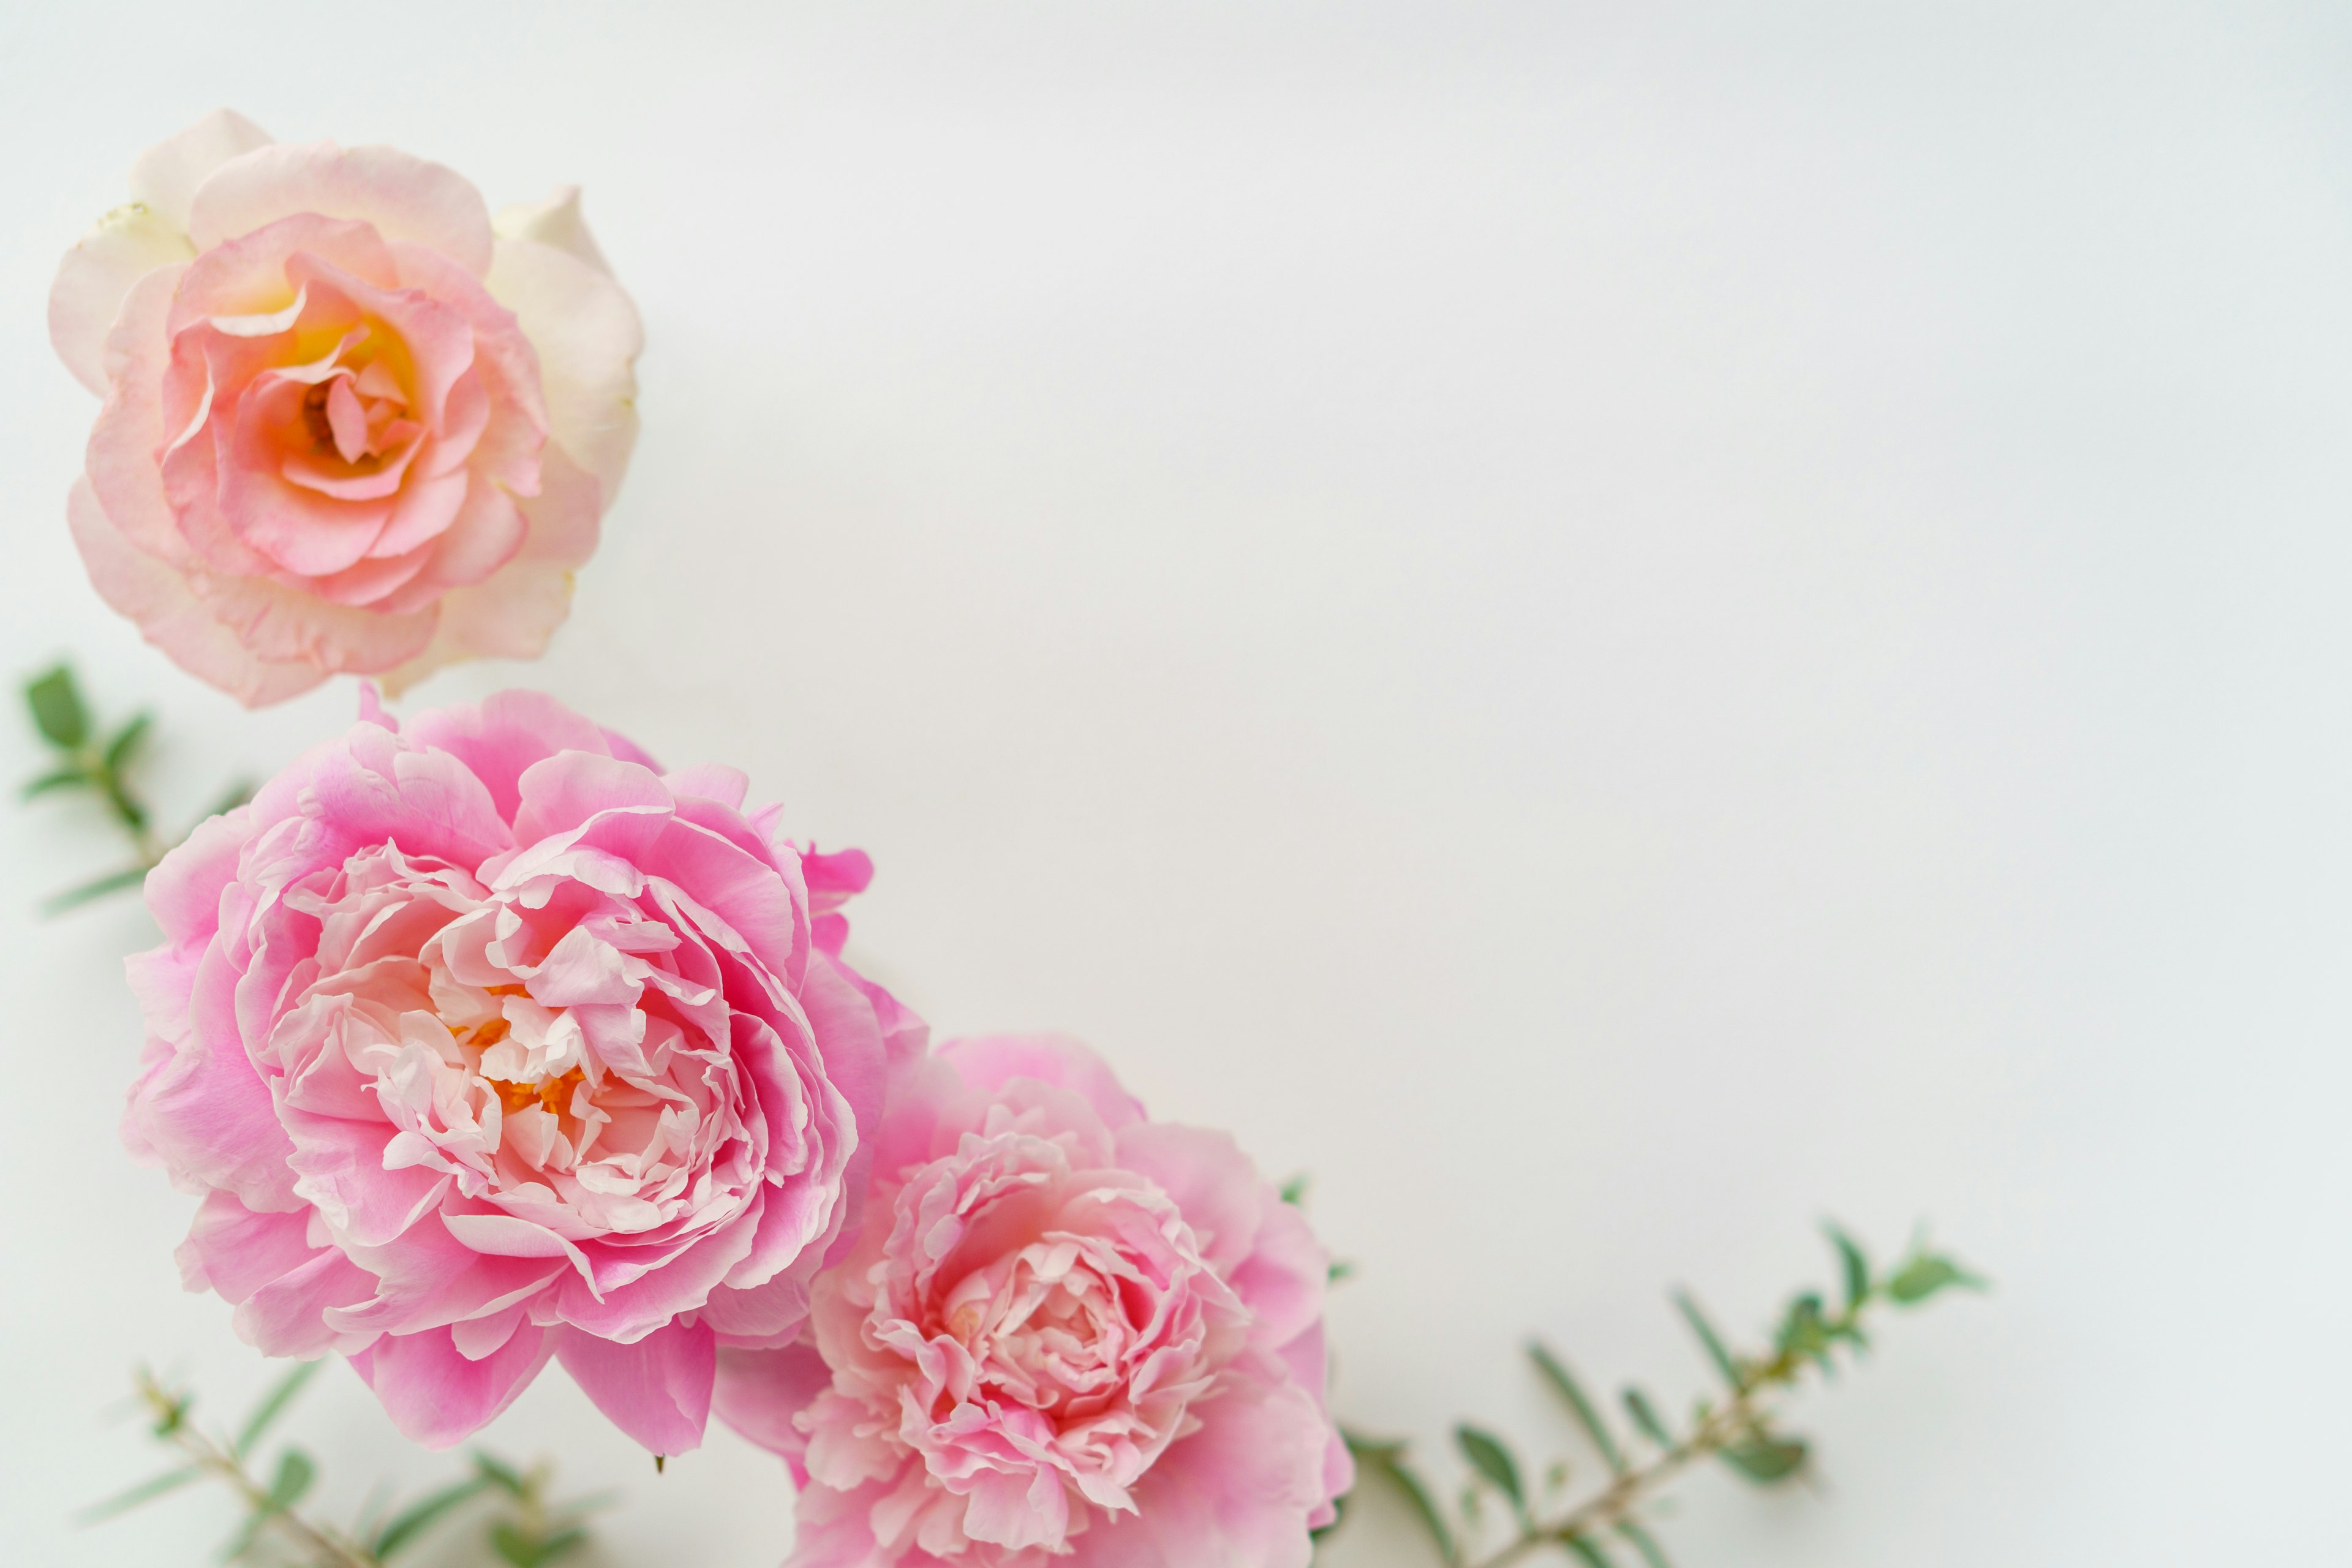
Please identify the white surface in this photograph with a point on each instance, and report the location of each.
(1611, 632)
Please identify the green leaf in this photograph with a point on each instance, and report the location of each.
(1587, 1551)
(1294, 1191)
(125, 744)
(68, 777)
(295, 1473)
(1764, 1458)
(1925, 1274)
(1643, 1543)
(98, 888)
(1712, 1341)
(1855, 1263)
(1571, 1394)
(1645, 1416)
(1340, 1269)
(1386, 1460)
(513, 1546)
(147, 1490)
(1490, 1459)
(273, 1403)
(57, 710)
(500, 1474)
(563, 1544)
(1804, 1331)
(426, 1512)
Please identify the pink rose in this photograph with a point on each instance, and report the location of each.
(351, 424)
(486, 1041)
(1066, 1335)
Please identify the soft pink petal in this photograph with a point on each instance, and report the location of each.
(95, 277)
(435, 1394)
(760, 1391)
(587, 337)
(500, 739)
(404, 197)
(656, 1390)
(990, 1061)
(166, 176)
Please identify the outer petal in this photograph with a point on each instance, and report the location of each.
(284, 625)
(1238, 1492)
(405, 196)
(126, 244)
(988, 1062)
(759, 1392)
(166, 176)
(513, 612)
(437, 1397)
(656, 1390)
(588, 337)
(555, 221)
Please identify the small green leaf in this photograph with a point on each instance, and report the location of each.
(68, 777)
(563, 1544)
(426, 1510)
(500, 1474)
(1712, 1341)
(513, 1546)
(1804, 1331)
(1587, 1550)
(273, 1403)
(1294, 1191)
(1490, 1459)
(1386, 1460)
(1764, 1458)
(98, 888)
(1925, 1274)
(1645, 1416)
(1855, 1263)
(145, 1491)
(1652, 1554)
(295, 1473)
(125, 744)
(57, 710)
(1340, 1269)
(1555, 1373)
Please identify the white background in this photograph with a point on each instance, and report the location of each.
(1614, 632)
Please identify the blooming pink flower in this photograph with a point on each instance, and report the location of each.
(1067, 1334)
(351, 424)
(485, 1041)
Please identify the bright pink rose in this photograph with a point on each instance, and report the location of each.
(1067, 1335)
(351, 423)
(485, 1041)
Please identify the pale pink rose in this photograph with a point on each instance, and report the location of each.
(484, 1040)
(1067, 1335)
(352, 422)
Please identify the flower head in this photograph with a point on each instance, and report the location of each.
(1067, 1334)
(351, 423)
(486, 1042)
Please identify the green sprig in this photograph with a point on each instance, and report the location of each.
(89, 759)
(525, 1530)
(1738, 1432)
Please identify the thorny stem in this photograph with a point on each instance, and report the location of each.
(1621, 1500)
(172, 1426)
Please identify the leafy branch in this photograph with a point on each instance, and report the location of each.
(526, 1531)
(88, 758)
(1740, 1430)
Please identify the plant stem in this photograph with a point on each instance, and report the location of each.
(329, 1549)
(1621, 1501)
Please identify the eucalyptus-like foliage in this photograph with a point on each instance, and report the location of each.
(90, 759)
(1498, 1519)
(520, 1525)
